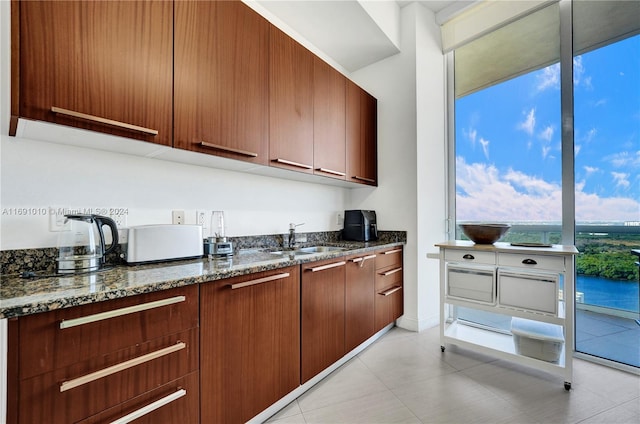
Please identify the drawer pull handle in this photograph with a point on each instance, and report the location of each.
(259, 281)
(150, 407)
(228, 149)
(529, 262)
(291, 163)
(369, 180)
(391, 252)
(468, 256)
(390, 291)
(119, 312)
(70, 384)
(331, 171)
(106, 121)
(391, 271)
(362, 259)
(328, 266)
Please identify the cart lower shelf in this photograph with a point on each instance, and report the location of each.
(501, 346)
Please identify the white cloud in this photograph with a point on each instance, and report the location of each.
(547, 133)
(624, 159)
(590, 169)
(590, 135)
(486, 194)
(549, 78)
(472, 134)
(529, 123)
(621, 179)
(485, 147)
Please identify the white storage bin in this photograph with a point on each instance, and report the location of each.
(472, 283)
(537, 339)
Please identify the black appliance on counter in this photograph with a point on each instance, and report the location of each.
(360, 225)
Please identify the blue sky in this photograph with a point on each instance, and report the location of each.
(508, 153)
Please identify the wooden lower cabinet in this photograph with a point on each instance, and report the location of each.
(389, 302)
(250, 343)
(111, 357)
(359, 299)
(323, 315)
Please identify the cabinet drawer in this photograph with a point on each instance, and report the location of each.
(387, 258)
(103, 327)
(174, 402)
(552, 263)
(529, 291)
(473, 283)
(391, 276)
(389, 306)
(81, 390)
(469, 256)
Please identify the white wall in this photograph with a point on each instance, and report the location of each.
(411, 149)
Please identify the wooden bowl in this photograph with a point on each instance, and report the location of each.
(484, 233)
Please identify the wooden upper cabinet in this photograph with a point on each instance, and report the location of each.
(99, 65)
(362, 109)
(329, 95)
(290, 104)
(221, 80)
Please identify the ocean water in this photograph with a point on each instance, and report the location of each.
(609, 293)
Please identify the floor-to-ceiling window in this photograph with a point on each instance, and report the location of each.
(606, 75)
(509, 109)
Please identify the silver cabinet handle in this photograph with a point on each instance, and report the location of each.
(291, 163)
(328, 266)
(228, 149)
(369, 180)
(331, 171)
(391, 271)
(390, 252)
(362, 260)
(150, 407)
(119, 312)
(88, 378)
(106, 121)
(390, 291)
(259, 281)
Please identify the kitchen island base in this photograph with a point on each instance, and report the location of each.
(524, 283)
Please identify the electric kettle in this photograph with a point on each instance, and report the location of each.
(81, 243)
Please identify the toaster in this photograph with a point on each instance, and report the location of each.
(164, 242)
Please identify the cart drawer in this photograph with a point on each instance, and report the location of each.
(551, 263)
(471, 283)
(469, 256)
(529, 291)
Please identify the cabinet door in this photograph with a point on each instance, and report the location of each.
(100, 65)
(250, 344)
(323, 315)
(221, 80)
(290, 104)
(329, 154)
(389, 287)
(361, 136)
(359, 299)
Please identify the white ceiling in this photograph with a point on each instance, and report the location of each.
(343, 29)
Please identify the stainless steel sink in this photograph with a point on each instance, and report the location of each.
(309, 250)
(321, 249)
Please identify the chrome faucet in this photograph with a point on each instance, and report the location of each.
(292, 234)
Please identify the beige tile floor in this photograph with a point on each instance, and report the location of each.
(404, 378)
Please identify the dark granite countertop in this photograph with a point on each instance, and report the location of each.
(25, 296)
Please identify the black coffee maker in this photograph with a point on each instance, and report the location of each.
(360, 225)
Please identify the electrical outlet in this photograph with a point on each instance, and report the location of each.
(120, 220)
(56, 218)
(339, 220)
(177, 217)
(201, 219)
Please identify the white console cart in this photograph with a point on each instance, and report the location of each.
(523, 282)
